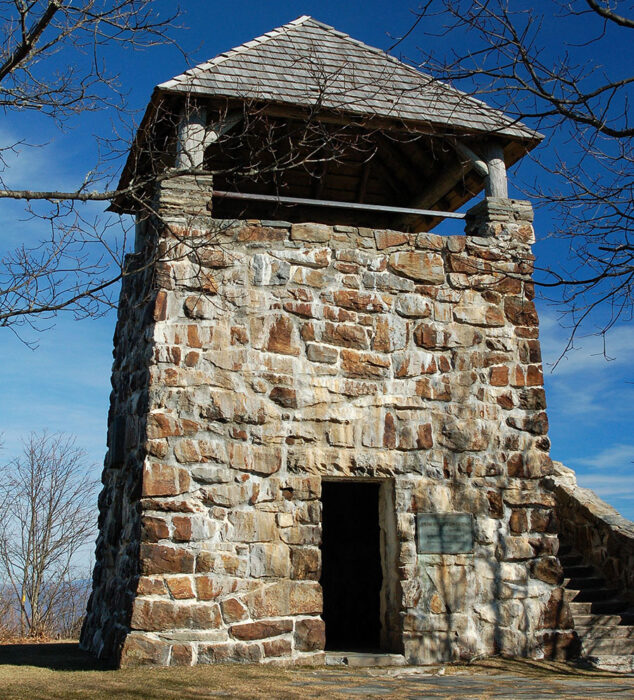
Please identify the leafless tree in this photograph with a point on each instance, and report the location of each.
(52, 62)
(580, 98)
(78, 263)
(46, 518)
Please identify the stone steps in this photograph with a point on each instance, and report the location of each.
(597, 607)
(600, 632)
(603, 620)
(593, 594)
(592, 620)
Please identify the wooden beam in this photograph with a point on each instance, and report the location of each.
(194, 135)
(478, 163)
(495, 184)
(190, 144)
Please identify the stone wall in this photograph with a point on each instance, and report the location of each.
(117, 553)
(280, 355)
(595, 529)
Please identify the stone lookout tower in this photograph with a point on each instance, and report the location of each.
(327, 426)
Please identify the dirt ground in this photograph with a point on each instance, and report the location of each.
(61, 670)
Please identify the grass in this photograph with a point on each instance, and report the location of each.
(61, 670)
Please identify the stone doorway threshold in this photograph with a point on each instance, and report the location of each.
(363, 659)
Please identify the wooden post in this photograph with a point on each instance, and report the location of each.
(190, 149)
(495, 184)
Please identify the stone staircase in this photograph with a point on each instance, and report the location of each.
(603, 619)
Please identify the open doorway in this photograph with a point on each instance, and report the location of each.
(352, 574)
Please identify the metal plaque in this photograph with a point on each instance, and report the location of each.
(444, 533)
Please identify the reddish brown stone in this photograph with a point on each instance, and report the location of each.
(281, 337)
(160, 559)
(520, 312)
(538, 464)
(160, 306)
(238, 434)
(389, 239)
(208, 283)
(518, 377)
(468, 265)
(530, 352)
(518, 522)
(233, 610)
(191, 359)
(182, 655)
(359, 301)
(435, 391)
(444, 364)
(345, 335)
(496, 506)
(307, 331)
(543, 521)
(239, 335)
(153, 529)
(339, 315)
(499, 376)
(515, 466)
(382, 338)
(182, 528)
(532, 332)
(363, 364)
(277, 647)
(150, 586)
(534, 376)
(389, 432)
(422, 267)
(547, 569)
(505, 400)
(180, 587)
(310, 635)
(260, 630)
(424, 439)
(151, 615)
(209, 588)
(300, 308)
(193, 339)
(160, 425)
(164, 480)
(189, 427)
(426, 336)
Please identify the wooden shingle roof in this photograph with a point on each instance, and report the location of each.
(306, 62)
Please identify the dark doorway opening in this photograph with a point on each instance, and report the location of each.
(351, 566)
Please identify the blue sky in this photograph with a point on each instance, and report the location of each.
(63, 385)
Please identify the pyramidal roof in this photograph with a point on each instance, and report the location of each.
(306, 63)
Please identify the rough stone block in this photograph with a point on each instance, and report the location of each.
(419, 266)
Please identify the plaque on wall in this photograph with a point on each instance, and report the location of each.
(444, 533)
